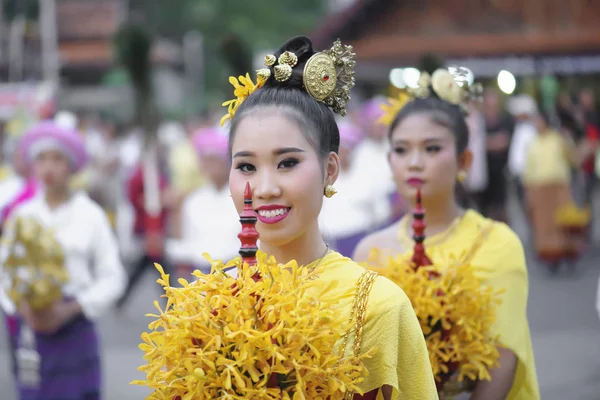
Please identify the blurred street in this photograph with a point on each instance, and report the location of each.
(564, 324)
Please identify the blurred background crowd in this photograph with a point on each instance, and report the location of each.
(539, 61)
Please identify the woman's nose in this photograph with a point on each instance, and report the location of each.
(415, 160)
(266, 186)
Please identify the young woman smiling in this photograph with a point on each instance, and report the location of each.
(284, 141)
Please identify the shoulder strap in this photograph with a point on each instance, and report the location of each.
(358, 315)
(358, 311)
(481, 238)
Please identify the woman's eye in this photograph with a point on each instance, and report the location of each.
(399, 150)
(433, 149)
(288, 163)
(245, 167)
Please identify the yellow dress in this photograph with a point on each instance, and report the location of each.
(390, 326)
(496, 247)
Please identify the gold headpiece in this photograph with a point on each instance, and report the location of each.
(328, 77)
(450, 87)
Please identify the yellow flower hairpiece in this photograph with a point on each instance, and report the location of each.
(450, 87)
(243, 87)
(393, 107)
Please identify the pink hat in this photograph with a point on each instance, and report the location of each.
(48, 135)
(211, 141)
(371, 110)
(350, 135)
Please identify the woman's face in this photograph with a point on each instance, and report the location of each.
(285, 173)
(52, 169)
(423, 155)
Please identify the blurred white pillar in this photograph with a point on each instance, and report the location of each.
(193, 55)
(49, 37)
(16, 49)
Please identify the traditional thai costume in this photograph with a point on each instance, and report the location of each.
(547, 179)
(287, 331)
(482, 242)
(66, 364)
(474, 258)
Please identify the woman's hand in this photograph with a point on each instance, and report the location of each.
(51, 319)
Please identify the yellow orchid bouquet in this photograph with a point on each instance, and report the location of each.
(456, 312)
(266, 333)
(222, 337)
(34, 263)
(573, 218)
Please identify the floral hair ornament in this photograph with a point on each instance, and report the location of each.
(450, 85)
(328, 77)
(243, 87)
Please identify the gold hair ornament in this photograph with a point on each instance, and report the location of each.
(451, 87)
(328, 77)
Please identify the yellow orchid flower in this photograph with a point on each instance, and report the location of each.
(224, 337)
(455, 310)
(243, 86)
(393, 107)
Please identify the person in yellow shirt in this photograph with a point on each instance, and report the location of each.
(429, 152)
(284, 142)
(547, 180)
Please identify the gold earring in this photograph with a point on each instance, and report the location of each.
(329, 191)
(462, 175)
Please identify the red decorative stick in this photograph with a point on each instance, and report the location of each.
(249, 235)
(419, 257)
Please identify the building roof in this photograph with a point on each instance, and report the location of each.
(382, 30)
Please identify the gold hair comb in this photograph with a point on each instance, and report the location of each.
(450, 87)
(328, 77)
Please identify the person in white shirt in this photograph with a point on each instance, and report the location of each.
(58, 351)
(209, 220)
(477, 178)
(371, 154)
(524, 109)
(347, 217)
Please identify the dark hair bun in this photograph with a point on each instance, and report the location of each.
(302, 47)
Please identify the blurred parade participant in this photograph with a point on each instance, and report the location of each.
(477, 178)
(209, 220)
(524, 109)
(58, 353)
(185, 173)
(547, 179)
(149, 231)
(499, 127)
(353, 198)
(589, 145)
(430, 156)
(370, 158)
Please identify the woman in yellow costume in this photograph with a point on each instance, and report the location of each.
(429, 138)
(284, 142)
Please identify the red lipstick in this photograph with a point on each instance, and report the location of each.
(416, 182)
(272, 213)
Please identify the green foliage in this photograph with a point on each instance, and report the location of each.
(29, 8)
(233, 29)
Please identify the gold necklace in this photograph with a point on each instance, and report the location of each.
(407, 242)
(315, 264)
